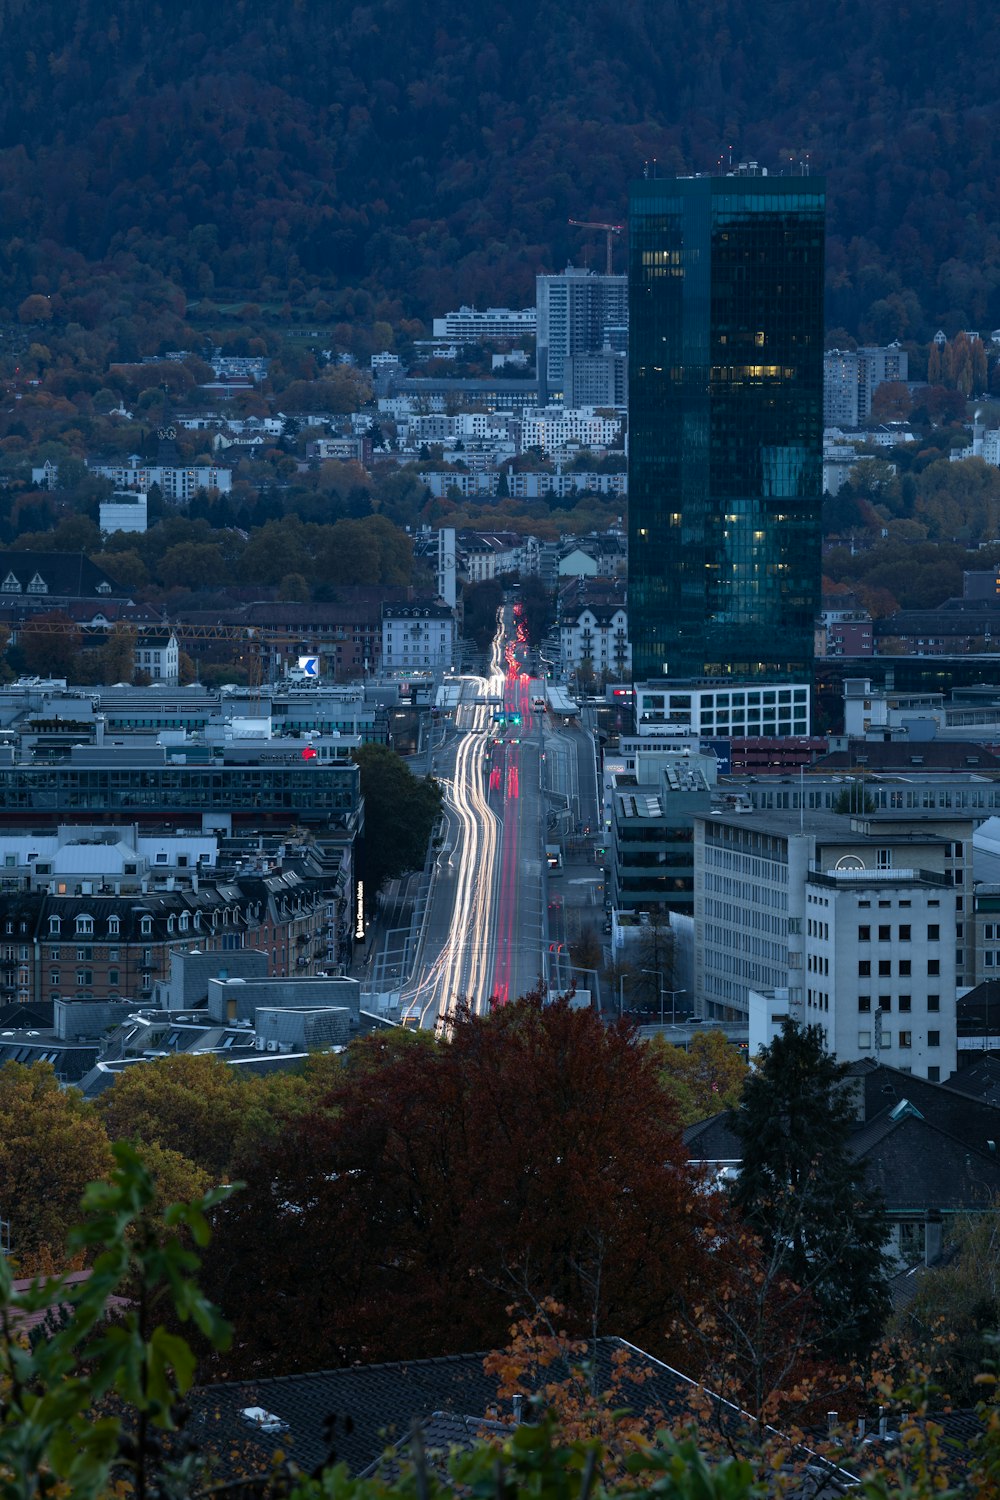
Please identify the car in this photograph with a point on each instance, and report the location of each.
(538, 704)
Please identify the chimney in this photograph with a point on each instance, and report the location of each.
(883, 1423)
(516, 1404)
(831, 1423)
(933, 1230)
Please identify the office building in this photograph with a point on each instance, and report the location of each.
(725, 426)
(579, 312)
(852, 376)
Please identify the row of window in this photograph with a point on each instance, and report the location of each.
(884, 967)
(905, 1039)
(903, 1002)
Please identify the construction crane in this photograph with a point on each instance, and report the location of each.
(609, 230)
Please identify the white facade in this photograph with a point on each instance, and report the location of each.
(598, 634)
(860, 924)
(124, 512)
(469, 324)
(417, 635)
(879, 974)
(551, 428)
(717, 712)
(158, 655)
(176, 482)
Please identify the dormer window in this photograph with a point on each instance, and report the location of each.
(146, 926)
(170, 924)
(10, 585)
(84, 926)
(185, 921)
(114, 926)
(55, 925)
(104, 588)
(38, 585)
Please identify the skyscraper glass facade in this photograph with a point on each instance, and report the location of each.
(725, 425)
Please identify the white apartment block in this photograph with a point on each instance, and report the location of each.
(551, 428)
(852, 376)
(176, 482)
(419, 636)
(469, 325)
(985, 445)
(596, 634)
(720, 712)
(762, 883)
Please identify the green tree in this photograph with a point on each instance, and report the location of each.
(400, 812)
(802, 1191)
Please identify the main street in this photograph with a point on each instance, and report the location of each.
(484, 931)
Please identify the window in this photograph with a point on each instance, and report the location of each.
(864, 934)
(933, 932)
(84, 976)
(884, 967)
(114, 926)
(934, 1039)
(864, 1040)
(906, 1038)
(84, 955)
(885, 1002)
(887, 1039)
(147, 926)
(904, 933)
(905, 1002)
(933, 1074)
(933, 1002)
(905, 968)
(54, 925)
(864, 1002)
(884, 933)
(933, 966)
(84, 926)
(864, 968)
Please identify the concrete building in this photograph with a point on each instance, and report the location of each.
(579, 312)
(125, 511)
(470, 325)
(718, 710)
(552, 428)
(852, 376)
(597, 379)
(878, 970)
(652, 840)
(421, 635)
(177, 482)
(766, 886)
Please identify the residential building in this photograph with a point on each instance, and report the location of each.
(49, 579)
(579, 312)
(552, 428)
(725, 425)
(177, 482)
(852, 376)
(593, 635)
(985, 445)
(845, 632)
(596, 379)
(125, 511)
(420, 636)
(357, 449)
(158, 655)
(470, 325)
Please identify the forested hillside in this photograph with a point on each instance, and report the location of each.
(422, 155)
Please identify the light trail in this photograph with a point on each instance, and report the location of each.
(464, 963)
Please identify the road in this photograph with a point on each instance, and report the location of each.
(484, 934)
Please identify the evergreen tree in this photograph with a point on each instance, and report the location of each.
(802, 1190)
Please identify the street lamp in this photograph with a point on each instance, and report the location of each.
(657, 974)
(621, 994)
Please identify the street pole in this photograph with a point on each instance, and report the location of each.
(621, 996)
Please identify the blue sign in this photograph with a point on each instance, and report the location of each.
(722, 750)
(309, 666)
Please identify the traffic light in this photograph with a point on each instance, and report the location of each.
(515, 718)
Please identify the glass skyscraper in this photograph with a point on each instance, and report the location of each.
(725, 425)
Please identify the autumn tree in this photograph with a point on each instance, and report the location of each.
(49, 644)
(531, 1155)
(52, 1144)
(704, 1078)
(192, 1105)
(802, 1191)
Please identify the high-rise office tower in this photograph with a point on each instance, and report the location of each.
(578, 312)
(725, 425)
